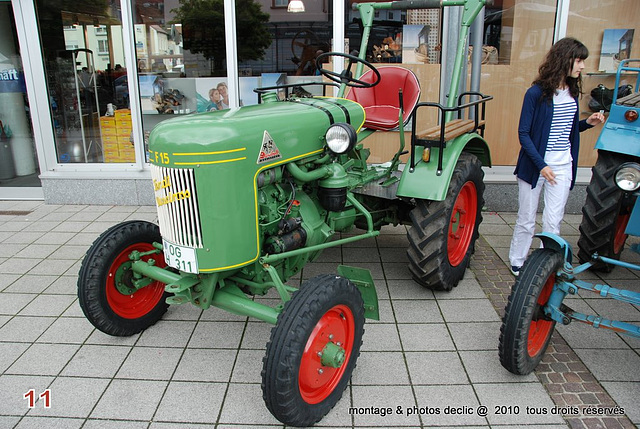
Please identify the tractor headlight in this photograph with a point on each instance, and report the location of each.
(341, 138)
(628, 176)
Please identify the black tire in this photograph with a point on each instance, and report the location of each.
(525, 332)
(108, 309)
(605, 213)
(294, 389)
(437, 260)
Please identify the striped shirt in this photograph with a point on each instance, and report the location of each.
(558, 146)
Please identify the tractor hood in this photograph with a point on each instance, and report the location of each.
(255, 134)
(205, 170)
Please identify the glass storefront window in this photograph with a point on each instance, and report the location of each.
(292, 42)
(609, 41)
(284, 48)
(88, 92)
(18, 164)
(181, 58)
(414, 36)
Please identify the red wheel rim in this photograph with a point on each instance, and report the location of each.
(540, 329)
(462, 223)
(142, 301)
(620, 237)
(316, 381)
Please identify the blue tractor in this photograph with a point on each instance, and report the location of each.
(607, 210)
(611, 213)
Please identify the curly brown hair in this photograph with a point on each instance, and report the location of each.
(556, 68)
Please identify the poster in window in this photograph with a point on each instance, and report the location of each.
(415, 47)
(274, 79)
(247, 85)
(616, 46)
(211, 94)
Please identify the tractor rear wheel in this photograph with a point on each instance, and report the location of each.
(313, 350)
(605, 214)
(105, 292)
(443, 233)
(526, 330)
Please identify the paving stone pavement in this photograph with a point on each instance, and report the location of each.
(432, 358)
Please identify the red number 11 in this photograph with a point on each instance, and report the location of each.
(31, 397)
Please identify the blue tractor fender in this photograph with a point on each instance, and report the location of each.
(616, 135)
(557, 243)
(424, 183)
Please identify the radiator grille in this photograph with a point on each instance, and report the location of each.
(177, 204)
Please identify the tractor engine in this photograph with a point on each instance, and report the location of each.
(294, 215)
(232, 186)
(279, 216)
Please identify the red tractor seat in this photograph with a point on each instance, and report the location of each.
(381, 102)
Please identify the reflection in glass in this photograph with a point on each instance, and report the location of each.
(88, 92)
(18, 165)
(177, 45)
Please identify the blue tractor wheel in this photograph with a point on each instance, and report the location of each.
(606, 212)
(526, 330)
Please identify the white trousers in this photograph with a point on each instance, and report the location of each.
(555, 200)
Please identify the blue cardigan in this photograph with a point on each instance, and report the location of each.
(533, 131)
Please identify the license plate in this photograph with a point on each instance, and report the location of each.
(180, 257)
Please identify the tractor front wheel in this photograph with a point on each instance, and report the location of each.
(443, 233)
(313, 350)
(605, 214)
(105, 290)
(526, 330)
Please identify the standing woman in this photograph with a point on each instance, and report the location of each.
(549, 133)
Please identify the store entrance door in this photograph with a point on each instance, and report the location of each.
(19, 169)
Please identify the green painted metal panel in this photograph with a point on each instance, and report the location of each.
(363, 280)
(224, 149)
(424, 183)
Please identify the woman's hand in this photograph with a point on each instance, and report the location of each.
(595, 119)
(548, 175)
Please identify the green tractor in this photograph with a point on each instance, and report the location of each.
(247, 197)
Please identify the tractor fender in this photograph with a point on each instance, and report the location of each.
(424, 183)
(556, 243)
(615, 137)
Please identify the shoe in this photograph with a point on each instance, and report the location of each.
(515, 270)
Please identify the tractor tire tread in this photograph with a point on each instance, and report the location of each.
(92, 274)
(427, 250)
(287, 340)
(600, 211)
(514, 331)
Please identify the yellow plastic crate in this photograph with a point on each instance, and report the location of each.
(108, 130)
(122, 113)
(124, 133)
(124, 123)
(107, 121)
(128, 157)
(109, 139)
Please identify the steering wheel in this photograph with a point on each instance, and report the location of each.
(346, 76)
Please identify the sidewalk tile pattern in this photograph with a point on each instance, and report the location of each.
(431, 360)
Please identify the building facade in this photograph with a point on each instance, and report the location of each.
(82, 83)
